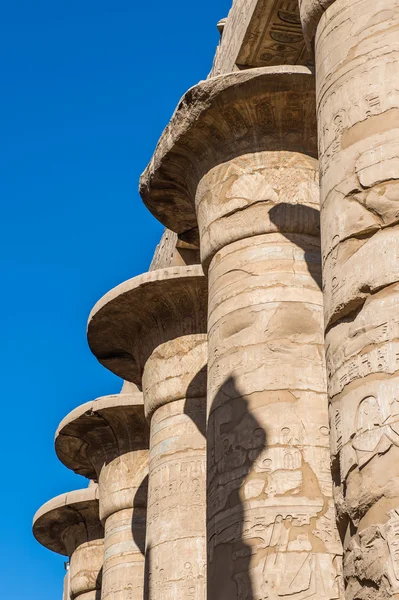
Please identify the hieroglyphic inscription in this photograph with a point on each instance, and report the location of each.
(176, 551)
(357, 70)
(261, 33)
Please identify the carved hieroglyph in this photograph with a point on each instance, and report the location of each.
(260, 33)
(107, 440)
(238, 161)
(268, 425)
(357, 69)
(70, 525)
(171, 252)
(151, 330)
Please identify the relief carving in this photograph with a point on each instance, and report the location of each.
(357, 62)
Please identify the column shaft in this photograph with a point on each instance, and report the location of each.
(107, 439)
(124, 541)
(85, 570)
(241, 150)
(67, 587)
(175, 546)
(357, 68)
(271, 530)
(123, 497)
(176, 511)
(151, 330)
(70, 525)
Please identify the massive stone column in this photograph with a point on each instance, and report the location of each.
(107, 440)
(151, 331)
(238, 160)
(357, 70)
(70, 525)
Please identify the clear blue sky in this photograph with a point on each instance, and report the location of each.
(86, 88)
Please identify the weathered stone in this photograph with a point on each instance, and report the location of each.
(259, 33)
(238, 162)
(107, 440)
(268, 424)
(70, 525)
(124, 326)
(357, 70)
(151, 330)
(270, 109)
(311, 12)
(235, 179)
(172, 252)
(67, 586)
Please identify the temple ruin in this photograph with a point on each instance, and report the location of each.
(253, 451)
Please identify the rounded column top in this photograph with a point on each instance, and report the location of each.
(311, 12)
(77, 511)
(139, 315)
(100, 430)
(270, 108)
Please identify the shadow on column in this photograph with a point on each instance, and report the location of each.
(138, 527)
(235, 441)
(147, 573)
(193, 407)
(294, 220)
(98, 585)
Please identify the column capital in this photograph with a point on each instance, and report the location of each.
(146, 313)
(70, 525)
(98, 431)
(263, 109)
(311, 12)
(107, 440)
(69, 520)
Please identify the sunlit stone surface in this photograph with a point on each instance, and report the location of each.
(107, 440)
(242, 151)
(70, 525)
(257, 440)
(357, 70)
(152, 330)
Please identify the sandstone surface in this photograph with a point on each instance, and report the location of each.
(356, 47)
(238, 162)
(70, 525)
(107, 440)
(151, 330)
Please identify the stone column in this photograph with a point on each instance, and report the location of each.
(151, 331)
(238, 161)
(357, 71)
(70, 525)
(67, 586)
(107, 440)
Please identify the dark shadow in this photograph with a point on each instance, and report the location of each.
(139, 525)
(99, 584)
(195, 409)
(195, 404)
(235, 441)
(294, 221)
(139, 515)
(147, 573)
